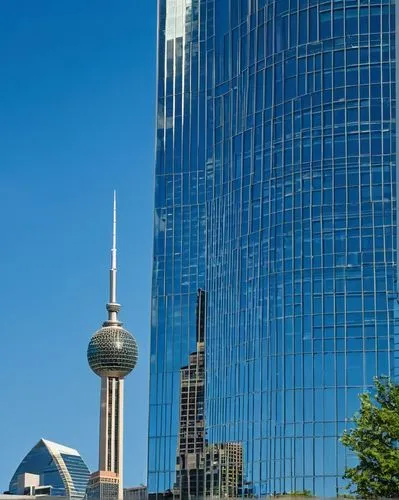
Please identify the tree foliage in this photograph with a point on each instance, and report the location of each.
(375, 441)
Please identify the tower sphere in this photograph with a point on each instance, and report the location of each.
(112, 352)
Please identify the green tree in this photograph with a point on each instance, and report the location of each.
(375, 441)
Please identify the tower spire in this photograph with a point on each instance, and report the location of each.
(113, 307)
(112, 294)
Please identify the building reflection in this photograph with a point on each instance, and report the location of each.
(190, 460)
(202, 469)
(225, 470)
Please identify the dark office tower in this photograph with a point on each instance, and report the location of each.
(276, 194)
(190, 460)
(190, 463)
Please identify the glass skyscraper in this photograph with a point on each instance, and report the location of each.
(53, 469)
(274, 273)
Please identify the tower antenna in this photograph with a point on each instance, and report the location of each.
(113, 307)
(112, 297)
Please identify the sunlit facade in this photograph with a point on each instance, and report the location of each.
(276, 196)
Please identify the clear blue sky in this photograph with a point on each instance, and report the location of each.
(77, 105)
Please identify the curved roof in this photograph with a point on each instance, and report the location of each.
(59, 448)
(58, 466)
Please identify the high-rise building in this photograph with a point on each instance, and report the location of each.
(103, 484)
(224, 471)
(51, 469)
(190, 459)
(276, 194)
(112, 354)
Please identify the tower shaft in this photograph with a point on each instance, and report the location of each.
(111, 428)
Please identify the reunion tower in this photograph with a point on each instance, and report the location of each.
(112, 354)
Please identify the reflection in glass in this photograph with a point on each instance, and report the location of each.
(275, 193)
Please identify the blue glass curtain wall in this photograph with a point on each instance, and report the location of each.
(276, 200)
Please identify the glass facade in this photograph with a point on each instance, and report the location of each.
(58, 467)
(276, 201)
